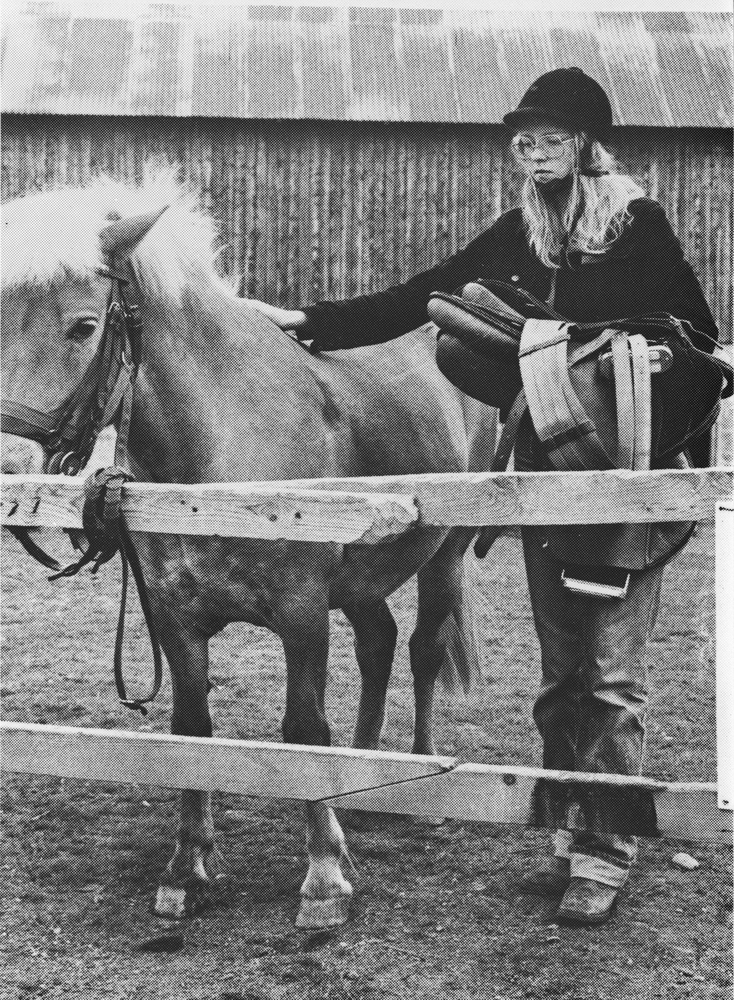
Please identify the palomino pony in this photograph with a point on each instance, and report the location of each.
(223, 395)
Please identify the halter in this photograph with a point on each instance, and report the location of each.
(69, 432)
(68, 435)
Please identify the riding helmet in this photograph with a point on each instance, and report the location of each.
(569, 97)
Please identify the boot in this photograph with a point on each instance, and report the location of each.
(548, 877)
(586, 901)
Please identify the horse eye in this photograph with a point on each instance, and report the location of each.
(82, 328)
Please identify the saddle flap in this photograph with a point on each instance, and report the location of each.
(487, 332)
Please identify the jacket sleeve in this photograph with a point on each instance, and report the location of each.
(382, 316)
(668, 279)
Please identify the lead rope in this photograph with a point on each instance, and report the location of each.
(129, 555)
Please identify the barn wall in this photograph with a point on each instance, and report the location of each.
(314, 210)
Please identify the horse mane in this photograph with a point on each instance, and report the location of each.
(52, 234)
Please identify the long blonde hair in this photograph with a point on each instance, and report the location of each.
(596, 212)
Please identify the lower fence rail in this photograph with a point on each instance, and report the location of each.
(404, 784)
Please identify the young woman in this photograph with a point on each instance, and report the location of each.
(586, 240)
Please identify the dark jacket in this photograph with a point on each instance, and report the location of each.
(643, 271)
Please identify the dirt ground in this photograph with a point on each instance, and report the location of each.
(437, 911)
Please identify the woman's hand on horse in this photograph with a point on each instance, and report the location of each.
(286, 319)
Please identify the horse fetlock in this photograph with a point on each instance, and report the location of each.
(189, 862)
(184, 888)
(325, 880)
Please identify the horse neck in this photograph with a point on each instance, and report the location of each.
(190, 374)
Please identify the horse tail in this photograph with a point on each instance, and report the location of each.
(457, 635)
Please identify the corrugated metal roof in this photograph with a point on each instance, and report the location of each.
(271, 61)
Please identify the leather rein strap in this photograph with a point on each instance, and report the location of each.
(107, 534)
(69, 433)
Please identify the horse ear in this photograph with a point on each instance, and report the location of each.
(122, 236)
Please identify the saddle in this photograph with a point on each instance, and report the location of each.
(627, 393)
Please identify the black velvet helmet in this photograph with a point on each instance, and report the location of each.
(569, 97)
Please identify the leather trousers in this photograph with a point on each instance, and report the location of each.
(593, 697)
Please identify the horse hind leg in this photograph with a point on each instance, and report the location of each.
(375, 638)
(443, 642)
(184, 886)
(302, 620)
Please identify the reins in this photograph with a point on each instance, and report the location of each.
(69, 434)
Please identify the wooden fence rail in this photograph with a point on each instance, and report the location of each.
(367, 510)
(372, 508)
(401, 783)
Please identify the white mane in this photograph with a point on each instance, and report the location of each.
(48, 234)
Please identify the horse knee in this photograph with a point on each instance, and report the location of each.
(375, 632)
(184, 722)
(311, 731)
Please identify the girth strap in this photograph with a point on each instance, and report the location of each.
(568, 436)
(562, 424)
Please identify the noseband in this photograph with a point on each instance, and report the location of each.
(68, 433)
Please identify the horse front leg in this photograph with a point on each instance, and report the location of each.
(184, 887)
(302, 620)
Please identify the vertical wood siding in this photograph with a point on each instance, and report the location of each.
(313, 210)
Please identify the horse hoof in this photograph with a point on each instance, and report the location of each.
(170, 901)
(177, 902)
(320, 913)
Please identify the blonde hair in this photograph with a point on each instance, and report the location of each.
(596, 212)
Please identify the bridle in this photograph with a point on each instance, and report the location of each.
(69, 432)
(68, 435)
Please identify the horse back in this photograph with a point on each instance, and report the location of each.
(400, 414)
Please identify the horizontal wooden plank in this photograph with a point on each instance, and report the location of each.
(372, 508)
(487, 498)
(233, 510)
(500, 794)
(270, 770)
(374, 781)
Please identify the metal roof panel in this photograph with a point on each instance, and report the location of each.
(678, 60)
(46, 86)
(480, 85)
(271, 61)
(100, 53)
(631, 57)
(219, 78)
(377, 91)
(426, 73)
(155, 69)
(271, 79)
(716, 63)
(324, 58)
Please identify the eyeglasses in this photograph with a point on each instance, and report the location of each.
(550, 145)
